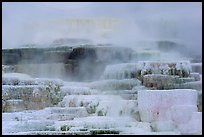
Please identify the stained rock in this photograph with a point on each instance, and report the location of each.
(14, 105)
(180, 68)
(159, 81)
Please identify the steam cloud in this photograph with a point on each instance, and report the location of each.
(41, 23)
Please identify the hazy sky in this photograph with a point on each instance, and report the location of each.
(31, 22)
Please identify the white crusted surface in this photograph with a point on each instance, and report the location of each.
(113, 84)
(154, 104)
(161, 126)
(16, 75)
(182, 113)
(120, 71)
(194, 126)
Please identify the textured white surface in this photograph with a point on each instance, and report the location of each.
(16, 75)
(153, 105)
(182, 113)
(119, 71)
(194, 126)
(74, 90)
(162, 67)
(161, 126)
(113, 84)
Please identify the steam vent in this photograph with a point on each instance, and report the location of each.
(68, 74)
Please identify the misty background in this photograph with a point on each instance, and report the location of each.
(41, 23)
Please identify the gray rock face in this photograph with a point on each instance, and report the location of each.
(199, 101)
(64, 61)
(35, 55)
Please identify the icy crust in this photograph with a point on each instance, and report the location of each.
(153, 105)
(95, 122)
(48, 81)
(25, 80)
(90, 102)
(196, 76)
(120, 71)
(25, 115)
(193, 126)
(74, 90)
(141, 68)
(122, 108)
(125, 94)
(47, 93)
(17, 81)
(118, 92)
(41, 120)
(181, 68)
(16, 75)
(85, 125)
(163, 126)
(123, 125)
(129, 131)
(31, 96)
(32, 93)
(81, 100)
(76, 84)
(52, 133)
(161, 112)
(113, 84)
(49, 113)
(13, 105)
(100, 104)
(24, 126)
(63, 114)
(181, 114)
(171, 110)
(21, 92)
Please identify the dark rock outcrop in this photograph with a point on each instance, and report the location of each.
(64, 62)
